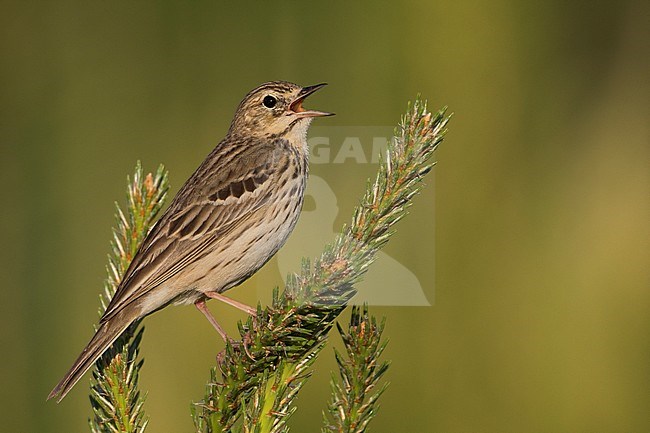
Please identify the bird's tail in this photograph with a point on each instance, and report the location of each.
(107, 333)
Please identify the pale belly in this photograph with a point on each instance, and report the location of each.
(236, 257)
(249, 251)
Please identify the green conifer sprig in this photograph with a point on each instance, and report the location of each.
(270, 406)
(116, 401)
(299, 319)
(354, 397)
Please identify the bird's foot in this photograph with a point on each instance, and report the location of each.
(243, 307)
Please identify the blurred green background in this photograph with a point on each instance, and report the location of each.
(538, 258)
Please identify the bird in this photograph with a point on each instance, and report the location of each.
(226, 221)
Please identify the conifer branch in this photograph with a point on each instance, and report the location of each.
(354, 398)
(116, 402)
(295, 326)
(271, 404)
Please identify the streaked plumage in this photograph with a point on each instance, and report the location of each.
(229, 218)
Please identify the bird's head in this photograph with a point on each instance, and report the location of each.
(275, 109)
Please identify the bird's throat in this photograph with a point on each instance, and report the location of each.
(297, 135)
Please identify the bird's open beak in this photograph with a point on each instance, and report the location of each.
(297, 108)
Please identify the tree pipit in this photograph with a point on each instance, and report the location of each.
(229, 218)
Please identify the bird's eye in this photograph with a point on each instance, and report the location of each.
(269, 101)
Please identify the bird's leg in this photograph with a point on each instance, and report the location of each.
(200, 305)
(245, 308)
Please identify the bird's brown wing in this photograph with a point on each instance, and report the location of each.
(219, 197)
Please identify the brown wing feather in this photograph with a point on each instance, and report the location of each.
(199, 216)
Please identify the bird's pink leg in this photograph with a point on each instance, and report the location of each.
(245, 308)
(200, 305)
